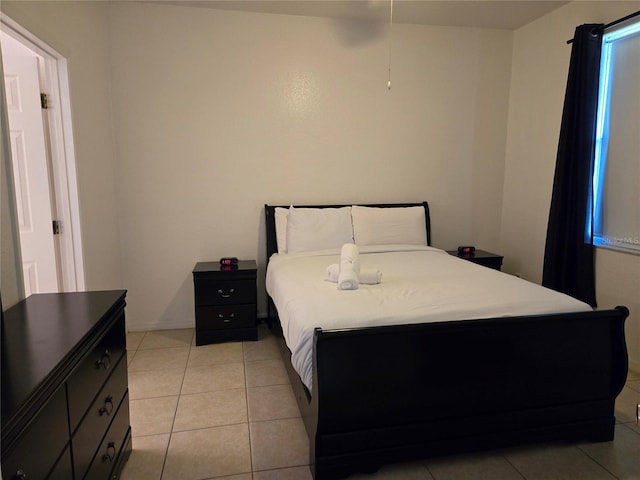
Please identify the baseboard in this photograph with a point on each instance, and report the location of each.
(175, 324)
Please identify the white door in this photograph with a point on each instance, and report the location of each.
(31, 176)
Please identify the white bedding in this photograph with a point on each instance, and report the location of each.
(419, 284)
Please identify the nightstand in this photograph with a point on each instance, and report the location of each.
(225, 301)
(480, 257)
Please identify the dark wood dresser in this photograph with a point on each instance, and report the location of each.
(65, 401)
(225, 300)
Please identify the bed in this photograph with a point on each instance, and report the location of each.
(431, 381)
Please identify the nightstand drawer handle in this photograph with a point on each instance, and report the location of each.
(226, 319)
(226, 294)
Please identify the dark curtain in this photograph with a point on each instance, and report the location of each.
(569, 251)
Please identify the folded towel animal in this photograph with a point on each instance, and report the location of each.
(348, 279)
(349, 267)
(332, 273)
(368, 276)
(350, 254)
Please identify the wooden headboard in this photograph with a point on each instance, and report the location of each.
(270, 219)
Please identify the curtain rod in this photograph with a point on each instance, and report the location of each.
(612, 24)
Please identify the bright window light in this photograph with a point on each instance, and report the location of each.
(616, 201)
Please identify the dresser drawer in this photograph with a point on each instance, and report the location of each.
(63, 469)
(226, 316)
(94, 425)
(110, 449)
(224, 292)
(41, 444)
(92, 372)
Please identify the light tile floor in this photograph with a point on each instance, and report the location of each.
(227, 412)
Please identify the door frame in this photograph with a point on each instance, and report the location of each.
(58, 127)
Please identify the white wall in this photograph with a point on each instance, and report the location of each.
(217, 113)
(79, 31)
(538, 80)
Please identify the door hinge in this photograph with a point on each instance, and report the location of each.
(57, 227)
(44, 101)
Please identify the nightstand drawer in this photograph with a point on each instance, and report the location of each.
(224, 292)
(491, 262)
(232, 316)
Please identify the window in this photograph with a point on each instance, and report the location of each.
(616, 202)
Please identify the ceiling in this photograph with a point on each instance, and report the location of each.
(504, 14)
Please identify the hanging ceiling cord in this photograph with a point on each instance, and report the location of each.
(390, 25)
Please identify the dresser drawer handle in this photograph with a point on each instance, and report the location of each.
(226, 294)
(107, 407)
(104, 361)
(20, 475)
(109, 455)
(226, 319)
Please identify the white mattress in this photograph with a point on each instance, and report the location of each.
(419, 284)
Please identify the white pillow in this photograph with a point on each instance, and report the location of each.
(282, 214)
(318, 228)
(389, 226)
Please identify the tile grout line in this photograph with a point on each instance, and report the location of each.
(426, 467)
(246, 396)
(597, 462)
(175, 413)
(506, 459)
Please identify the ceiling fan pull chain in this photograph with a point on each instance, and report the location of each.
(390, 25)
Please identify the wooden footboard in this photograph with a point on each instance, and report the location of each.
(396, 393)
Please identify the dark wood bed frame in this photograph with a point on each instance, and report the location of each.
(398, 393)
